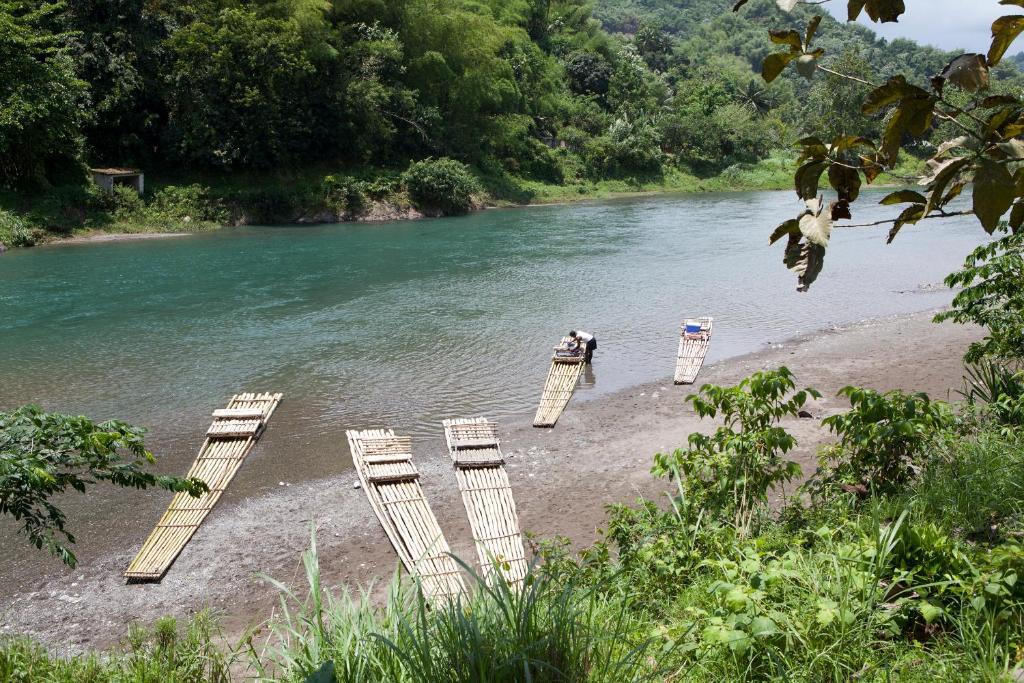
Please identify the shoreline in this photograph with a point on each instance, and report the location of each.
(599, 453)
(94, 236)
(379, 213)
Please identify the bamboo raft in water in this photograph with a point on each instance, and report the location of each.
(561, 382)
(693, 347)
(229, 439)
(480, 470)
(383, 462)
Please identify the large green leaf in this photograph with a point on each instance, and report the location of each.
(812, 28)
(813, 148)
(807, 65)
(844, 143)
(807, 178)
(790, 228)
(845, 181)
(790, 37)
(1013, 149)
(968, 72)
(911, 215)
(1004, 31)
(774, 64)
(1017, 216)
(878, 10)
(894, 90)
(903, 197)
(994, 192)
(912, 115)
(942, 173)
(804, 259)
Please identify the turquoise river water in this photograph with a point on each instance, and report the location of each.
(404, 324)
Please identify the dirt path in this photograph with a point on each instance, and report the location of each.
(599, 453)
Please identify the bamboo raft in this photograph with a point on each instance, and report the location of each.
(693, 347)
(480, 470)
(233, 433)
(383, 462)
(561, 382)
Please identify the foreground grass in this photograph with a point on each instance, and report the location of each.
(164, 653)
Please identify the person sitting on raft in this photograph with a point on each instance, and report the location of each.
(587, 341)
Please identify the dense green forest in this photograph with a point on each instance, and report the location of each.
(272, 109)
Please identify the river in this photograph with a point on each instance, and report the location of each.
(403, 324)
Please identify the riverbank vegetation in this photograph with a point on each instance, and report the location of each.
(307, 110)
(899, 559)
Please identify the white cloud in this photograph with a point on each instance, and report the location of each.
(947, 24)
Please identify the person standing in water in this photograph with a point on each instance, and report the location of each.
(588, 342)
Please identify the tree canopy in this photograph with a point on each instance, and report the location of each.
(545, 89)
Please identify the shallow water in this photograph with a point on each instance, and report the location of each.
(404, 324)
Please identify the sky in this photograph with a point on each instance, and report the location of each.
(947, 24)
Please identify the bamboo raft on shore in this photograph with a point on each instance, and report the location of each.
(383, 462)
(480, 470)
(563, 376)
(233, 433)
(694, 340)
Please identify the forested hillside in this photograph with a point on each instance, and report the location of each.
(549, 92)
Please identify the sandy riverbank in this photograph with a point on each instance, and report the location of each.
(599, 453)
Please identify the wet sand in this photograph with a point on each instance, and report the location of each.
(599, 453)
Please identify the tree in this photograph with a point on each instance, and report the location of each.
(220, 119)
(42, 455)
(41, 100)
(653, 45)
(119, 50)
(987, 151)
(834, 102)
(993, 297)
(588, 72)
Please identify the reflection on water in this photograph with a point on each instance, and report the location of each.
(405, 324)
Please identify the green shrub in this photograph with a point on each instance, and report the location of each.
(128, 204)
(992, 297)
(883, 437)
(178, 202)
(344, 193)
(43, 456)
(728, 475)
(382, 186)
(15, 231)
(443, 184)
(973, 484)
(270, 204)
(997, 390)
